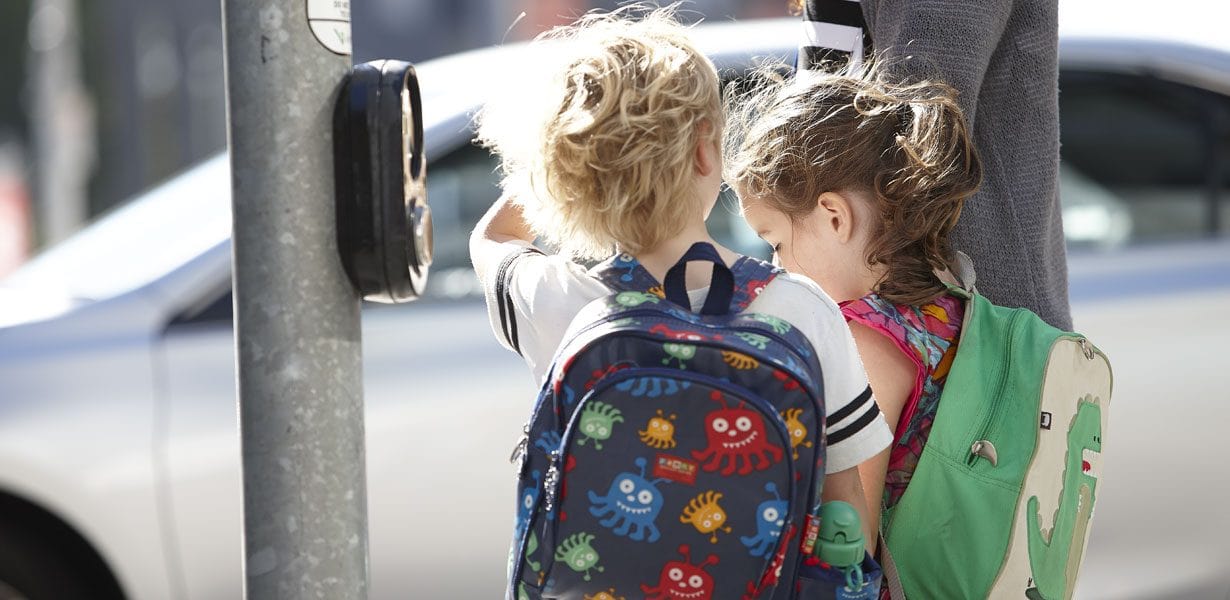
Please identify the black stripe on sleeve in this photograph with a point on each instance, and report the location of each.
(504, 300)
(849, 408)
(501, 295)
(837, 12)
(836, 437)
(512, 324)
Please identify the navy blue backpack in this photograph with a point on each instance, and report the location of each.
(673, 455)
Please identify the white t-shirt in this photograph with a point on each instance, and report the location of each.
(533, 306)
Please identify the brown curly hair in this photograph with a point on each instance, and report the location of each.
(788, 140)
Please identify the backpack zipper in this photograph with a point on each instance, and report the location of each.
(981, 447)
(985, 448)
(521, 451)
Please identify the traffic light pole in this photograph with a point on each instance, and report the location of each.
(296, 313)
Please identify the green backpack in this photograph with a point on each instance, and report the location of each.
(1001, 502)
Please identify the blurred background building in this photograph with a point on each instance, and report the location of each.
(105, 98)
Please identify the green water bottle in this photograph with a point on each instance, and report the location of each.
(841, 542)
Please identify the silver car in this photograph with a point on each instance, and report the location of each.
(119, 449)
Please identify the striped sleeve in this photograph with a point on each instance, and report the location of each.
(856, 430)
(500, 307)
(532, 297)
(834, 34)
(852, 418)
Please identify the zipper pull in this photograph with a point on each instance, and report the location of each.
(1086, 348)
(549, 483)
(523, 445)
(985, 449)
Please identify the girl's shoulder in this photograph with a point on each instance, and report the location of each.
(940, 318)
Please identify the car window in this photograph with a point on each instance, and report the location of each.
(1143, 159)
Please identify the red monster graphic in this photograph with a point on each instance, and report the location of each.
(788, 382)
(611, 370)
(681, 580)
(755, 286)
(736, 433)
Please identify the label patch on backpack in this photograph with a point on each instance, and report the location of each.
(674, 468)
(1046, 420)
(811, 534)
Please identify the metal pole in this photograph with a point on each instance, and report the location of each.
(297, 317)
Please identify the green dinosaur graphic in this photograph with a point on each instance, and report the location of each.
(1054, 556)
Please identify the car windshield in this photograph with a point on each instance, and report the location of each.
(138, 242)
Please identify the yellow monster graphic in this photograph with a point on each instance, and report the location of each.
(705, 515)
(660, 432)
(798, 433)
(608, 594)
(739, 360)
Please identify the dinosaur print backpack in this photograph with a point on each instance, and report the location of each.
(1006, 486)
(672, 455)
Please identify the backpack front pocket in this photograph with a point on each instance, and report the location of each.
(661, 476)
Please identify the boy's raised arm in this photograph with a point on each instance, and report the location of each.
(502, 225)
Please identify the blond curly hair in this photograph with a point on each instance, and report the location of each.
(597, 143)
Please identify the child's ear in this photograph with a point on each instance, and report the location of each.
(706, 156)
(706, 151)
(837, 215)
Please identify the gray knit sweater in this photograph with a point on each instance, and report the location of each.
(1001, 56)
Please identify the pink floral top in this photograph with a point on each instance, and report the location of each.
(928, 335)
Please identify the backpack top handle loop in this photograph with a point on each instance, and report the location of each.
(721, 287)
(963, 269)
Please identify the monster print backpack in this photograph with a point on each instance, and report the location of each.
(1007, 484)
(672, 455)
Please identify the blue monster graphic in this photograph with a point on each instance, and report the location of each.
(678, 312)
(626, 262)
(652, 387)
(770, 517)
(529, 496)
(632, 501)
(570, 397)
(548, 442)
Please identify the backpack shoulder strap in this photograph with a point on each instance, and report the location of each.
(751, 277)
(623, 273)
